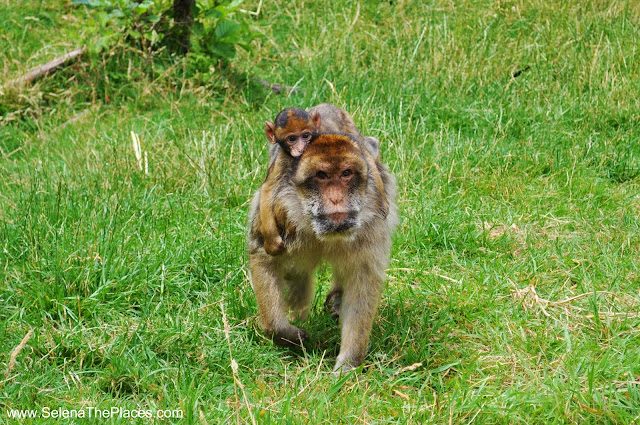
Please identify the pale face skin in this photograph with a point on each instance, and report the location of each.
(297, 142)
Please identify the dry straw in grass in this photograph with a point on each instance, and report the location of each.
(141, 156)
(234, 363)
(16, 351)
(530, 299)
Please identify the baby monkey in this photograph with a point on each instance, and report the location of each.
(293, 129)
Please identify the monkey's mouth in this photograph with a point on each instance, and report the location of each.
(339, 223)
(337, 217)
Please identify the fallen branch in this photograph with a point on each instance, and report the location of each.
(276, 88)
(47, 68)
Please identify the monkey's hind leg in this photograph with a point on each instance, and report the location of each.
(273, 243)
(271, 303)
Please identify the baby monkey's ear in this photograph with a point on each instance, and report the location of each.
(270, 131)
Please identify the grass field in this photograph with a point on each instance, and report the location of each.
(513, 296)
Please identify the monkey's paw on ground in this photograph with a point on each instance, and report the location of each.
(343, 369)
(291, 338)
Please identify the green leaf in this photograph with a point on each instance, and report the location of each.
(245, 46)
(212, 13)
(223, 11)
(197, 29)
(234, 5)
(224, 50)
(103, 18)
(143, 7)
(116, 13)
(226, 29)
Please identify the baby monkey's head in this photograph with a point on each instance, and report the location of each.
(293, 129)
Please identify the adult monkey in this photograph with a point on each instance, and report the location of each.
(293, 130)
(337, 207)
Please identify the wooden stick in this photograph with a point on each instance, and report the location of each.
(47, 68)
(276, 88)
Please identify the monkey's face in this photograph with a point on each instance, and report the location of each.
(293, 130)
(294, 142)
(330, 181)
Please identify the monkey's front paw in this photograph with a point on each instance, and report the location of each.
(290, 337)
(274, 246)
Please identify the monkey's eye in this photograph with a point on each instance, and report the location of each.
(321, 175)
(292, 139)
(306, 135)
(346, 173)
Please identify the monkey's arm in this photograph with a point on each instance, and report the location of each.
(273, 243)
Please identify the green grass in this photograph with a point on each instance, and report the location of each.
(505, 184)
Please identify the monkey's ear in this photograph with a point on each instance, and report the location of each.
(373, 146)
(315, 116)
(270, 130)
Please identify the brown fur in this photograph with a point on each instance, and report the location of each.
(331, 210)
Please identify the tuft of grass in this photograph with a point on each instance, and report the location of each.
(513, 289)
